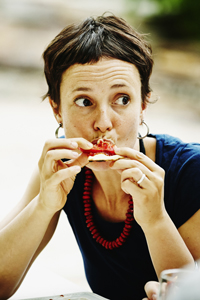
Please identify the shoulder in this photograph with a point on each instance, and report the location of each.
(167, 142)
(173, 151)
(150, 148)
(181, 162)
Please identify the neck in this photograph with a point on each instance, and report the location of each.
(109, 182)
(119, 241)
(110, 200)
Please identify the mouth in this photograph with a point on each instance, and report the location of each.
(99, 140)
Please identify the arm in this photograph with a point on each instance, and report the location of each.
(190, 235)
(189, 232)
(29, 227)
(181, 242)
(166, 246)
(21, 241)
(24, 233)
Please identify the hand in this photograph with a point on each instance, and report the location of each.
(57, 177)
(151, 289)
(148, 195)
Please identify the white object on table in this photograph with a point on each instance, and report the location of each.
(42, 282)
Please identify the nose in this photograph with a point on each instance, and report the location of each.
(103, 121)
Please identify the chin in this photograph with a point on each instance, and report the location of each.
(99, 165)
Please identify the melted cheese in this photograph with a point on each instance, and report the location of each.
(103, 157)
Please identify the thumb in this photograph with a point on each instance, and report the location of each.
(81, 161)
(151, 289)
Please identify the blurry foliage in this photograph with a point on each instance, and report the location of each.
(174, 19)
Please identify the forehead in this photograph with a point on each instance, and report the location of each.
(105, 70)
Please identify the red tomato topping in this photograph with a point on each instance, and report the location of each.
(100, 146)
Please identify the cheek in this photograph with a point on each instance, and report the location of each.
(128, 131)
(74, 126)
(129, 124)
(71, 129)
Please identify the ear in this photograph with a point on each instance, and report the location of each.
(56, 111)
(144, 107)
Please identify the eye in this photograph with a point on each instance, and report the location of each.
(123, 100)
(83, 102)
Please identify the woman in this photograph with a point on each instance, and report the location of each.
(132, 218)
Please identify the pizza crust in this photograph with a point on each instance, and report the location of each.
(103, 157)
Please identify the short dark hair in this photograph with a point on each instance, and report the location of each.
(92, 39)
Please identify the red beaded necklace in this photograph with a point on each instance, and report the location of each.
(87, 202)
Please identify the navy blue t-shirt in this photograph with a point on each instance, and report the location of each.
(122, 273)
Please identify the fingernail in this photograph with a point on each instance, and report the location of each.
(117, 150)
(75, 154)
(154, 297)
(74, 144)
(90, 145)
(77, 168)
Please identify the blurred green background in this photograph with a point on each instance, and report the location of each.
(174, 32)
(27, 26)
(174, 20)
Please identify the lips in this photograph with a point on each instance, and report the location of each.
(104, 146)
(103, 140)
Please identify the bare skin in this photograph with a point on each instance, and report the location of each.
(151, 289)
(31, 224)
(105, 97)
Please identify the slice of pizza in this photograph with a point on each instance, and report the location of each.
(103, 150)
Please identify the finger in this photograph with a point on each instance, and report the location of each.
(83, 143)
(122, 164)
(139, 156)
(136, 176)
(151, 289)
(58, 154)
(58, 144)
(131, 188)
(63, 174)
(53, 156)
(82, 160)
(73, 143)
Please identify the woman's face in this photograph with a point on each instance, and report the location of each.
(102, 100)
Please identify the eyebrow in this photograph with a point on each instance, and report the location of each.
(118, 85)
(78, 89)
(86, 89)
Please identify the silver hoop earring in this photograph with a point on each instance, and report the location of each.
(57, 130)
(147, 128)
